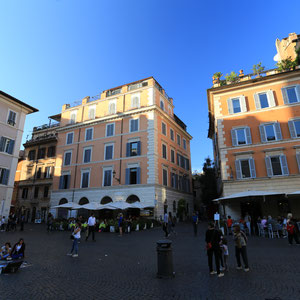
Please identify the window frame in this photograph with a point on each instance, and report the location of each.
(162, 151)
(163, 126)
(83, 171)
(73, 112)
(83, 154)
(106, 129)
(85, 134)
(68, 133)
(136, 95)
(172, 135)
(113, 150)
(138, 125)
(7, 118)
(103, 176)
(285, 94)
(65, 153)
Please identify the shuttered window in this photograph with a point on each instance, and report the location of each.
(291, 94)
(236, 105)
(7, 145)
(241, 136)
(85, 175)
(107, 174)
(110, 129)
(89, 134)
(294, 127)
(109, 149)
(276, 165)
(87, 155)
(4, 175)
(245, 168)
(67, 158)
(270, 132)
(134, 125)
(70, 136)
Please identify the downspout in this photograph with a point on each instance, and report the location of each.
(121, 141)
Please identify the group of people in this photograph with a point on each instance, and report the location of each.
(11, 223)
(216, 245)
(169, 224)
(9, 253)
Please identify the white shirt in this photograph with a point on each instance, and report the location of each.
(166, 217)
(77, 234)
(91, 221)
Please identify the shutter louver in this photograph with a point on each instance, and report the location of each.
(127, 149)
(5, 176)
(2, 143)
(138, 175)
(298, 160)
(262, 133)
(271, 98)
(61, 182)
(284, 165)
(292, 129)
(278, 131)
(284, 96)
(238, 169)
(243, 103)
(138, 148)
(11, 146)
(248, 135)
(269, 166)
(127, 176)
(257, 101)
(252, 168)
(230, 108)
(233, 137)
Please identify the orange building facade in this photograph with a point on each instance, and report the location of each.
(255, 128)
(123, 145)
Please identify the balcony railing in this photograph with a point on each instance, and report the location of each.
(135, 86)
(45, 126)
(94, 98)
(113, 92)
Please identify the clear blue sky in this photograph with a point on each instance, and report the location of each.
(56, 52)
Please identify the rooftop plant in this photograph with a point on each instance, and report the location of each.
(286, 64)
(218, 75)
(258, 68)
(232, 77)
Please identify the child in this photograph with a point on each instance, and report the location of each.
(224, 253)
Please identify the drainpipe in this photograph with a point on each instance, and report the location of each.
(121, 140)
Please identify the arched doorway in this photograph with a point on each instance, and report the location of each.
(132, 199)
(133, 211)
(62, 213)
(83, 212)
(105, 200)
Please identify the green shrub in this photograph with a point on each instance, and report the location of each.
(286, 64)
(232, 77)
(258, 68)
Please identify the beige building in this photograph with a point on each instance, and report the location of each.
(126, 144)
(35, 173)
(12, 118)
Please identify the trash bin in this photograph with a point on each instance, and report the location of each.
(164, 259)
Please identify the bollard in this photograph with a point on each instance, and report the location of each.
(164, 259)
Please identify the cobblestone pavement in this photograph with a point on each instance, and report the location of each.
(125, 268)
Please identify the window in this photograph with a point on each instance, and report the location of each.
(270, 132)
(134, 125)
(24, 193)
(85, 178)
(110, 129)
(236, 105)
(163, 128)
(294, 126)
(73, 117)
(89, 134)
(92, 112)
(39, 173)
(276, 165)
(70, 136)
(87, 155)
(64, 181)
(178, 139)
(137, 85)
(41, 153)
(178, 159)
(245, 168)
(31, 155)
(184, 143)
(264, 99)
(48, 173)
(172, 134)
(36, 192)
(133, 175)
(174, 180)
(165, 177)
(172, 156)
(67, 158)
(186, 163)
(4, 175)
(135, 100)
(113, 92)
(164, 151)
(162, 105)
(291, 94)
(109, 151)
(298, 160)
(241, 136)
(46, 191)
(133, 149)
(51, 151)
(112, 107)
(7, 145)
(107, 177)
(11, 120)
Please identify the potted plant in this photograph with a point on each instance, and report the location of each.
(111, 224)
(286, 64)
(231, 78)
(216, 77)
(257, 69)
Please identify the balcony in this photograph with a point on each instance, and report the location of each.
(113, 92)
(41, 139)
(136, 86)
(94, 98)
(45, 126)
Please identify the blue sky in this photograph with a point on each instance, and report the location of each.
(57, 52)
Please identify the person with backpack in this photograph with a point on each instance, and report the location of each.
(213, 239)
(240, 240)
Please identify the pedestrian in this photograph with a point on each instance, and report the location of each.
(229, 224)
(213, 239)
(49, 222)
(224, 253)
(195, 223)
(240, 240)
(75, 237)
(3, 222)
(292, 233)
(165, 224)
(120, 224)
(91, 227)
(174, 221)
(248, 222)
(22, 221)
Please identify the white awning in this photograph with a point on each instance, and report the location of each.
(249, 194)
(91, 206)
(120, 205)
(294, 193)
(141, 205)
(69, 205)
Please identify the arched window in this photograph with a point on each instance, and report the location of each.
(63, 201)
(105, 200)
(83, 212)
(62, 213)
(83, 201)
(132, 199)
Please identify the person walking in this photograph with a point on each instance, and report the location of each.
(22, 221)
(120, 223)
(49, 222)
(240, 240)
(195, 223)
(91, 224)
(213, 239)
(75, 237)
(165, 224)
(292, 233)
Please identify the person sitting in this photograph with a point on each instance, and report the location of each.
(18, 250)
(102, 226)
(5, 251)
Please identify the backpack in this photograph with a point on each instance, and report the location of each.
(290, 228)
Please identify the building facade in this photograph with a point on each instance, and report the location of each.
(123, 145)
(34, 176)
(255, 128)
(12, 118)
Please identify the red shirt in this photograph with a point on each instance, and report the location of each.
(229, 222)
